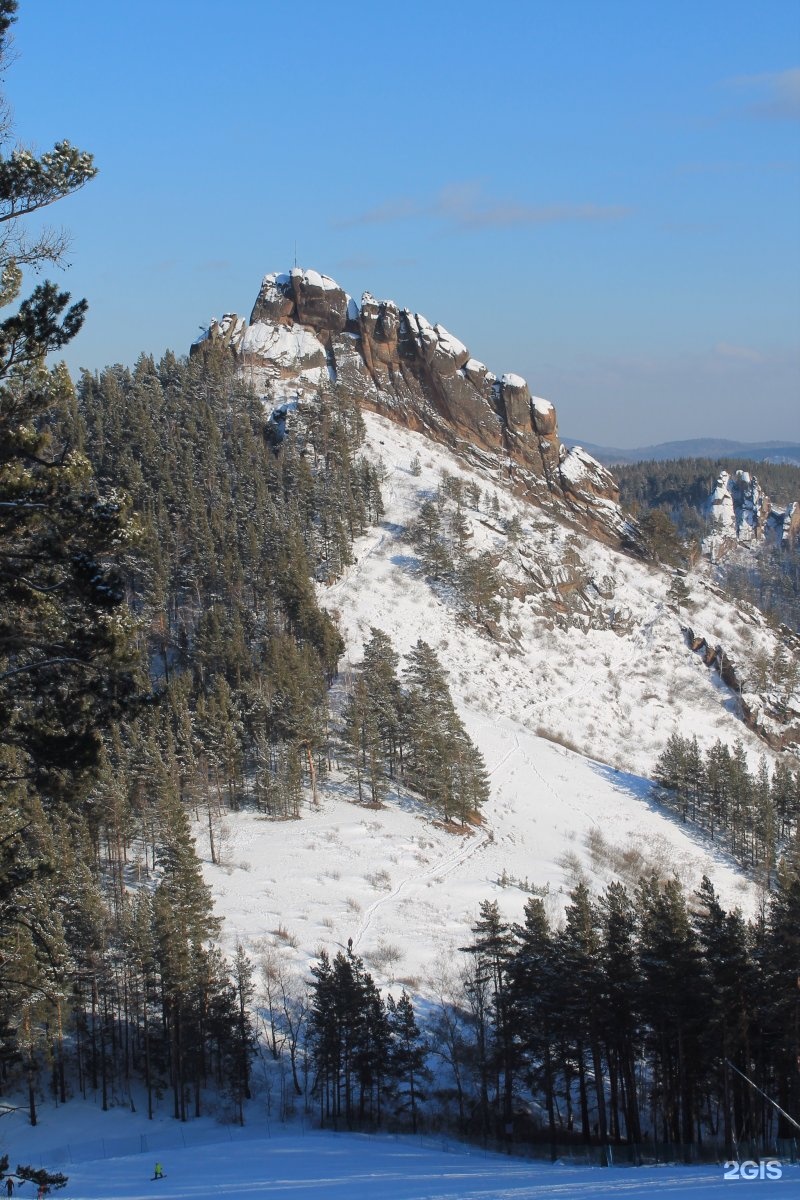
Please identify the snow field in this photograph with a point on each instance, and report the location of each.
(353, 1167)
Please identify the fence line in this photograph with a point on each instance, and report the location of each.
(645, 1154)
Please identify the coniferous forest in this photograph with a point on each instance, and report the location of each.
(164, 660)
(755, 815)
(668, 498)
(637, 1019)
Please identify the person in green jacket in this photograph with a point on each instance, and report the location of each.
(159, 1171)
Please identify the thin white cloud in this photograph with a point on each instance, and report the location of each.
(777, 93)
(464, 206)
(399, 209)
(738, 353)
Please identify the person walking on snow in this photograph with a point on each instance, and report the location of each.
(10, 1186)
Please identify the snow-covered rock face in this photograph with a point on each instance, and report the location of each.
(743, 515)
(305, 329)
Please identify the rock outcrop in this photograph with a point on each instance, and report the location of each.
(774, 717)
(306, 332)
(743, 515)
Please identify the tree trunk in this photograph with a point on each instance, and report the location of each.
(312, 770)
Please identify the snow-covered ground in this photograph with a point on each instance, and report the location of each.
(614, 678)
(361, 1167)
(406, 890)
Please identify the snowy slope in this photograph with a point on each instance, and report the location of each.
(406, 890)
(612, 675)
(356, 1167)
(615, 681)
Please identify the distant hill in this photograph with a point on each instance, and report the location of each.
(775, 452)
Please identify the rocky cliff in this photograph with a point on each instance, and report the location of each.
(306, 332)
(743, 515)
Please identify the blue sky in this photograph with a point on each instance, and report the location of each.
(600, 195)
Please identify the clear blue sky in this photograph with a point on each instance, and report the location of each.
(601, 195)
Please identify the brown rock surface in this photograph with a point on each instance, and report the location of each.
(319, 301)
(275, 301)
(397, 363)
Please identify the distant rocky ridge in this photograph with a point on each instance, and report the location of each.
(306, 332)
(787, 453)
(743, 515)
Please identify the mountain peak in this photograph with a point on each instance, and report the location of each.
(305, 331)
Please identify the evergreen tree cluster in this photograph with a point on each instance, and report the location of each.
(754, 814)
(214, 536)
(112, 977)
(162, 655)
(68, 662)
(770, 580)
(442, 534)
(232, 531)
(408, 729)
(236, 528)
(676, 482)
(620, 1024)
(667, 499)
(367, 1054)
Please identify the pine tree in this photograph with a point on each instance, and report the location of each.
(782, 971)
(65, 652)
(363, 744)
(533, 1010)
(408, 1055)
(492, 947)
(379, 671)
(620, 998)
(785, 792)
(243, 1038)
(580, 994)
(183, 924)
(672, 978)
(480, 585)
(349, 1035)
(427, 536)
(49, 1180)
(671, 774)
(441, 762)
(727, 1001)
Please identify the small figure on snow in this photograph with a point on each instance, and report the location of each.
(10, 1186)
(42, 1192)
(159, 1171)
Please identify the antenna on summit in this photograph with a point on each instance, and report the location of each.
(295, 254)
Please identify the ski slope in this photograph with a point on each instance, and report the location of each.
(363, 1167)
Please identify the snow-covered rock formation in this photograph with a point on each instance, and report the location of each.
(305, 331)
(743, 515)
